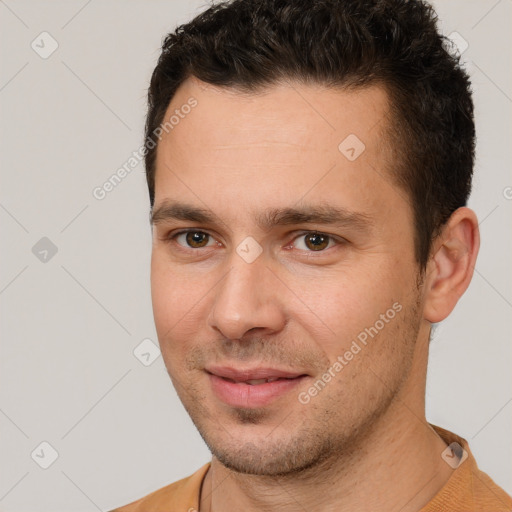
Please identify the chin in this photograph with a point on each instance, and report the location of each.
(294, 453)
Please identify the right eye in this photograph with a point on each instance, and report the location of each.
(193, 239)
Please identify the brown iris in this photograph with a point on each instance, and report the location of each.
(197, 239)
(318, 241)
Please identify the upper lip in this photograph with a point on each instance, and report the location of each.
(242, 375)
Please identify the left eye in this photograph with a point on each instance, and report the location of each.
(315, 241)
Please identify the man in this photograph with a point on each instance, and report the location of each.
(308, 166)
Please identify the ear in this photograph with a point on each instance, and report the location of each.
(451, 265)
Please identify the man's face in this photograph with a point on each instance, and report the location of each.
(327, 308)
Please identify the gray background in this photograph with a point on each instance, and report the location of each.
(71, 321)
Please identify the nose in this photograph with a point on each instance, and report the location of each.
(247, 300)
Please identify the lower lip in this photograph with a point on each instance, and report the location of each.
(240, 394)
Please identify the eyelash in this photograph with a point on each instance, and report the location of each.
(172, 237)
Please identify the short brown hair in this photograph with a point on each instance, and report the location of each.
(252, 44)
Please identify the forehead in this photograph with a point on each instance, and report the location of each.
(289, 113)
(284, 142)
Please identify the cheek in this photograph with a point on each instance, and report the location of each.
(177, 301)
(347, 302)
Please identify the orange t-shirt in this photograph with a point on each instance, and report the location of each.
(467, 490)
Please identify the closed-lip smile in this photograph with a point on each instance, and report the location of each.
(252, 387)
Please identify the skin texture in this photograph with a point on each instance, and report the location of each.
(362, 442)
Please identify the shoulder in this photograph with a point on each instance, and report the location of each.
(488, 495)
(468, 488)
(182, 495)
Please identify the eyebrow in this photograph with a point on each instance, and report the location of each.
(305, 214)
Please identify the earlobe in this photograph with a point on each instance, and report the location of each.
(452, 263)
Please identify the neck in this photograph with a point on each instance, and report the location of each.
(406, 471)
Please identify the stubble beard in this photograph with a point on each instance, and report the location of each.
(316, 445)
